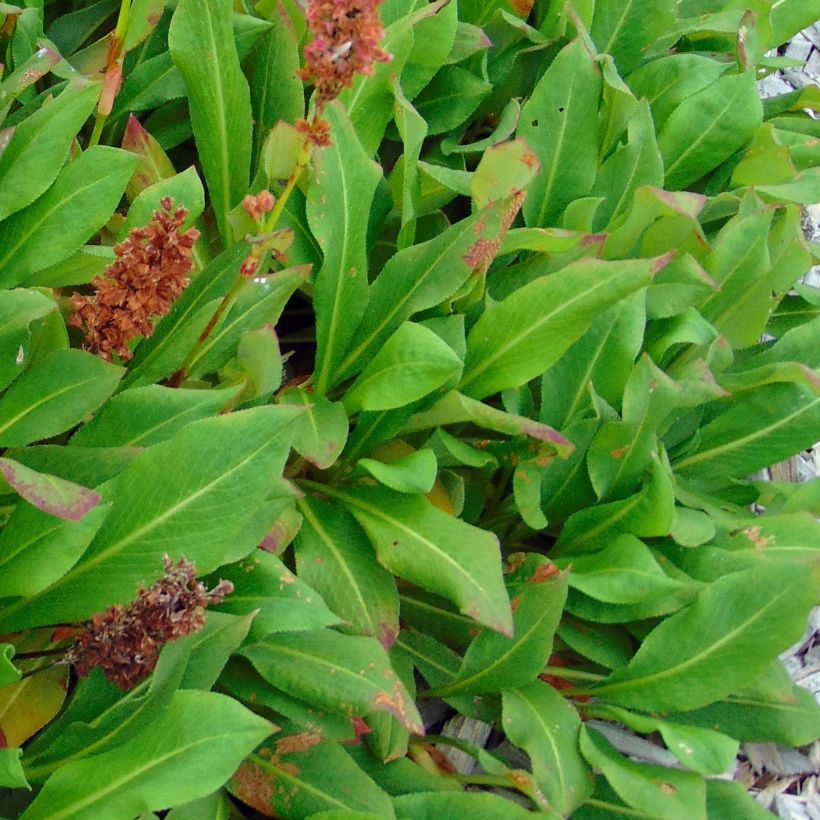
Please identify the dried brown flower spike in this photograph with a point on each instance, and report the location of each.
(346, 37)
(125, 641)
(149, 274)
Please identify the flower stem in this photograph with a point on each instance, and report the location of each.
(270, 223)
(113, 72)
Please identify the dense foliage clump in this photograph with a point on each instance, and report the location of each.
(441, 342)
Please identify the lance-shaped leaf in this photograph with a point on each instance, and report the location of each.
(73, 209)
(54, 395)
(413, 362)
(334, 556)
(185, 190)
(704, 751)
(623, 572)
(773, 709)
(546, 726)
(560, 123)
(773, 423)
(37, 547)
(440, 553)
(345, 673)
(719, 643)
(623, 29)
(338, 209)
(205, 487)
(39, 145)
(414, 473)
(302, 774)
(186, 753)
(455, 408)
(202, 46)
(708, 127)
(667, 793)
(144, 416)
(495, 662)
(420, 277)
(520, 337)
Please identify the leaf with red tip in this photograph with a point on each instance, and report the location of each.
(52, 495)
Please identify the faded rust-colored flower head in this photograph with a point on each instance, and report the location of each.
(125, 641)
(149, 274)
(346, 37)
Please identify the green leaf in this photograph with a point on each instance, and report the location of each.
(320, 433)
(8, 672)
(667, 793)
(414, 473)
(334, 556)
(36, 548)
(773, 709)
(770, 425)
(191, 495)
(418, 278)
(260, 302)
(144, 416)
(338, 208)
(413, 362)
(540, 721)
(623, 572)
(335, 671)
(522, 336)
(726, 798)
(440, 553)
(215, 806)
(276, 92)
(450, 98)
(282, 602)
(166, 350)
(719, 643)
(185, 189)
(188, 752)
(668, 81)
(12, 775)
(708, 127)
(649, 513)
(54, 395)
(495, 662)
(623, 29)
(636, 163)
(73, 209)
(701, 750)
(201, 41)
(458, 805)
(39, 146)
(603, 358)
(560, 123)
(18, 309)
(301, 775)
(142, 20)
(55, 496)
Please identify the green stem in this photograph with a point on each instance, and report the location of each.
(573, 674)
(194, 352)
(114, 64)
(271, 222)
